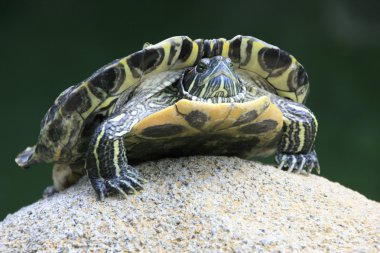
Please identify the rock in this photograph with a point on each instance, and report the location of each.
(201, 204)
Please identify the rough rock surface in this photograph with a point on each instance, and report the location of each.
(201, 204)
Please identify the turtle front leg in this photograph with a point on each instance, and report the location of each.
(296, 149)
(107, 164)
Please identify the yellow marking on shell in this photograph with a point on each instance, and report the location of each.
(216, 113)
(165, 45)
(165, 116)
(243, 46)
(226, 47)
(116, 152)
(106, 103)
(211, 42)
(221, 117)
(272, 112)
(129, 79)
(65, 137)
(94, 101)
(98, 138)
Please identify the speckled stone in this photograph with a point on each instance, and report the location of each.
(201, 204)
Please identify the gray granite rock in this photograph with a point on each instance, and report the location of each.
(201, 204)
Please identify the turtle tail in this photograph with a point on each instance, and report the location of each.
(26, 157)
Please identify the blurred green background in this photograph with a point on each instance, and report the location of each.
(46, 46)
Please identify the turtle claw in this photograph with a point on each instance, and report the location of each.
(100, 188)
(303, 161)
(299, 162)
(291, 163)
(127, 183)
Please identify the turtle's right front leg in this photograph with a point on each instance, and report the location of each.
(107, 164)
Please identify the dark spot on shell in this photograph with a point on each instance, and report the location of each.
(297, 78)
(97, 92)
(234, 50)
(284, 60)
(217, 48)
(173, 51)
(55, 130)
(246, 118)
(63, 96)
(109, 79)
(77, 101)
(186, 49)
(259, 127)
(40, 148)
(49, 116)
(248, 52)
(163, 130)
(274, 60)
(134, 62)
(196, 119)
(152, 58)
(282, 65)
(206, 49)
(302, 76)
(145, 61)
(44, 153)
(268, 58)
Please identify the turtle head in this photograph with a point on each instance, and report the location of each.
(212, 80)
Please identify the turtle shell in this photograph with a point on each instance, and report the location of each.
(192, 128)
(68, 124)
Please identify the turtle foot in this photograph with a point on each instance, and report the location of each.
(298, 162)
(128, 182)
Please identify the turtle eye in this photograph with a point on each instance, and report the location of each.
(201, 67)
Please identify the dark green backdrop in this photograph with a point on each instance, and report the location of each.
(45, 46)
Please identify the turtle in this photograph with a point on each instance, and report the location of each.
(180, 97)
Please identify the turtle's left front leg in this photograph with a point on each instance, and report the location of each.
(296, 149)
(107, 164)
